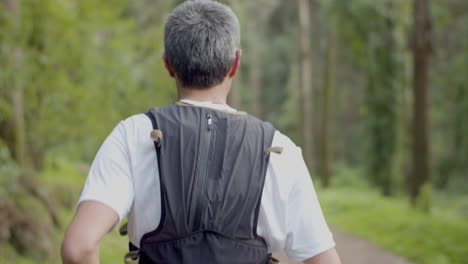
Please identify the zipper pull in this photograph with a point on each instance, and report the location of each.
(210, 121)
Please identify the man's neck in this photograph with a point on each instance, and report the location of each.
(202, 98)
(215, 94)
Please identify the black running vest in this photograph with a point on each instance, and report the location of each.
(212, 167)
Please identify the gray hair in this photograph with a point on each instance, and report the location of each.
(201, 38)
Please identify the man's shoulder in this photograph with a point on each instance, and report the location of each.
(136, 119)
(141, 121)
(281, 140)
(141, 118)
(134, 125)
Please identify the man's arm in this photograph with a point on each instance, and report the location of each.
(305, 229)
(327, 257)
(91, 222)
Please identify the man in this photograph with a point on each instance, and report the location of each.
(215, 192)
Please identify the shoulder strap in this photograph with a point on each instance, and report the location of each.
(132, 257)
(156, 134)
(157, 146)
(150, 115)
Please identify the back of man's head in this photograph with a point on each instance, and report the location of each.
(201, 38)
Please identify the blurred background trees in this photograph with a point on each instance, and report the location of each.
(375, 93)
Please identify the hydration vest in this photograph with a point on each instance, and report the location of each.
(212, 167)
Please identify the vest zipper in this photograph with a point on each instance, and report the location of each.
(203, 171)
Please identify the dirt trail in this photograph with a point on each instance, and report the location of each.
(354, 250)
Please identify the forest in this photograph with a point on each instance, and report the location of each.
(374, 91)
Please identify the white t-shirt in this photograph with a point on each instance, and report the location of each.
(124, 175)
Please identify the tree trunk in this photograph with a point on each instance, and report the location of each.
(329, 85)
(19, 130)
(255, 81)
(381, 101)
(305, 80)
(460, 134)
(421, 55)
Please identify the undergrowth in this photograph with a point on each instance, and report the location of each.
(438, 237)
(64, 181)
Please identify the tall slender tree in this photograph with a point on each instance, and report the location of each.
(305, 80)
(421, 46)
(16, 61)
(381, 101)
(328, 88)
(255, 59)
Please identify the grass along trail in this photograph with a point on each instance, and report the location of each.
(354, 250)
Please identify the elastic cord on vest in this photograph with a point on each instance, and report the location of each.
(277, 150)
(157, 136)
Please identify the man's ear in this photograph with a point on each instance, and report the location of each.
(168, 66)
(235, 65)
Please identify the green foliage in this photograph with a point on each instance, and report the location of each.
(85, 65)
(288, 121)
(65, 179)
(347, 176)
(8, 254)
(450, 96)
(424, 199)
(378, 48)
(435, 238)
(88, 64)
(9, 172)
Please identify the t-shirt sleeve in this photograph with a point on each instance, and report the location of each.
(307, 232)
(109, 180)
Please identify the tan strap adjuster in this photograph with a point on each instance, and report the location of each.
(272, 260)
(157, 136)
(277, 150)
(132, 257)
(123, 229)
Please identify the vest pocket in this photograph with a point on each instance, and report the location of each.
(206, 247)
